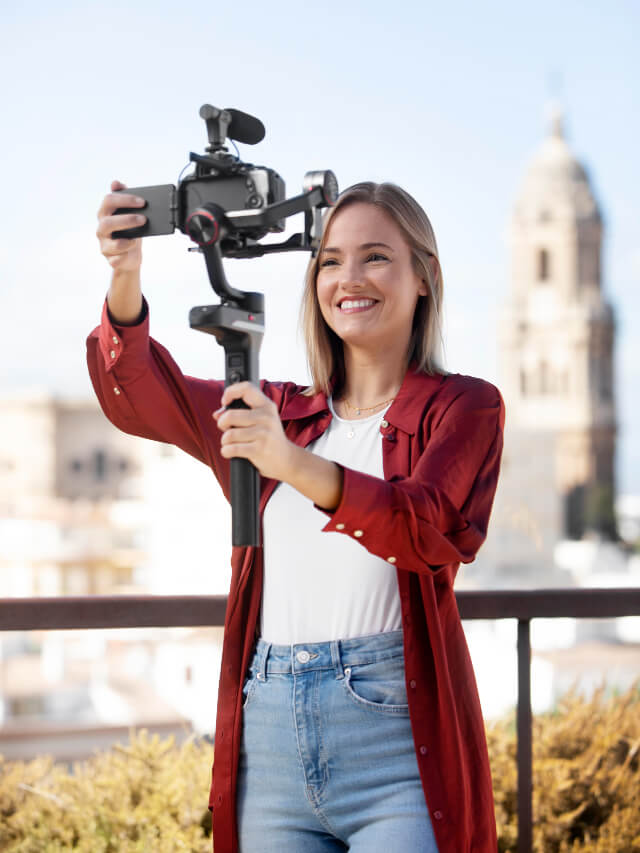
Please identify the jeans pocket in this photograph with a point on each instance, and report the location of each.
(378, 686)
(248, 689)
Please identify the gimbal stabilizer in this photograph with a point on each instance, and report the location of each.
(226, 206)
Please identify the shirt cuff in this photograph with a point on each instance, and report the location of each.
(115, 338)
(144, 311)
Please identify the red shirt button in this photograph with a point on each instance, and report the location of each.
(423, 750)
(412, 684)
(437, 815)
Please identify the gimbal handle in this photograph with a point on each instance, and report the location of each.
(239, 329)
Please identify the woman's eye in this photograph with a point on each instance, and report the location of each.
(328, 262)
(376, 256)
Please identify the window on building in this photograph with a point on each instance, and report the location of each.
(543, 265)
(523, 382)
(100, 464)
(26, 706)
(604, 379)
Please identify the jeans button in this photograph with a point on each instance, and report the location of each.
(303, 656)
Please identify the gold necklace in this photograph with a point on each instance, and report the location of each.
(359, 409)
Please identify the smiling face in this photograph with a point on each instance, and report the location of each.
(366, 285)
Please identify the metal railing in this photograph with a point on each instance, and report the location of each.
(140, 611)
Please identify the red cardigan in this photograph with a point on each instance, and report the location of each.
(441, 444)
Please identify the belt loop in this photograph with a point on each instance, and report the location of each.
(336, 659)
(262, 672)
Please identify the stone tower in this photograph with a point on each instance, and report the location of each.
(557, 334)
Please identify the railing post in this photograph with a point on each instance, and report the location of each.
(525, 784)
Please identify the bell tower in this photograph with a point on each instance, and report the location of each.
(557, 333)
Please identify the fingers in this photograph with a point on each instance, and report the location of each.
(108, 224)
(242, 435)
(253, 433)
(226, 419)
(121, 253)
(113, 200)
(238, 451)
(246, 391)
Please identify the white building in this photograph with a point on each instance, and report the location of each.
(84, 510)
(556, 344)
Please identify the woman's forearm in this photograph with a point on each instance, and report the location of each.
(316, 478)
(125, 296)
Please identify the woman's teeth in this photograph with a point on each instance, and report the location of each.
(346, 304)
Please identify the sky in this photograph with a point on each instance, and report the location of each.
(448, 100)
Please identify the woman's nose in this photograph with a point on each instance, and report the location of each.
(351, 276)
(352, 284)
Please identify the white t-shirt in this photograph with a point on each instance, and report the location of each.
(325, 586)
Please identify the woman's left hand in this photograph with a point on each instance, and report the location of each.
(255, 433)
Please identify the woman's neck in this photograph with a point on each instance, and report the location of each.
(371, 379)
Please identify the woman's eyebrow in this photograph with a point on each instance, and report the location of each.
(336, 249)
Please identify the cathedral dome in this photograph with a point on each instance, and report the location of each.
(555, 183)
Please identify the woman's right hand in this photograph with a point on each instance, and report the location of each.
(125, 256)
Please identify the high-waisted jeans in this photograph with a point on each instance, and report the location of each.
(327, 760)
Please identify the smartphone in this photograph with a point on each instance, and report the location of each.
(160, 210)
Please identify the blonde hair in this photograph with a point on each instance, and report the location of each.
(324, 348)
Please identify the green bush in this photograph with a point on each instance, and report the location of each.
(151, 796)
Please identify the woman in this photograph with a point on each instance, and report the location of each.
(348, 716)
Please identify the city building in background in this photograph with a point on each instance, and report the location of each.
(88, 510)
(65, 477)
(557, 333)
(556, 340)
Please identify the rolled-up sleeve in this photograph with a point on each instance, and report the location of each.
(143, 392)
(439, 514)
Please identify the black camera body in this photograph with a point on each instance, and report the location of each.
(169, 207)
(228, 202)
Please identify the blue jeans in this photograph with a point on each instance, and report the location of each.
(327, 759)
